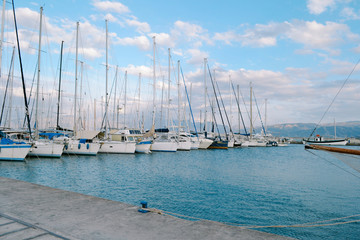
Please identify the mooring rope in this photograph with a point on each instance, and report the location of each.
(342, 86)
(302, 225)
(333, 164)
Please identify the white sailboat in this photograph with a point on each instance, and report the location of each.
(42, 147)
(161, 141)
(9, 149)
(107, 145)
(82, 142)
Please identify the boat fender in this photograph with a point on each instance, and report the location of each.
(143, 207)
(66, 147)
(79, 146)
(87, 146)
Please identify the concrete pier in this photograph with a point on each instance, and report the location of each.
(31, 211)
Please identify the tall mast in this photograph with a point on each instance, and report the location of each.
(179, 98)
(76, 62)
(21, 70)
(125, 99)
(169, 82)
(154, 82)
(138, 106)
(38, 81)
(205, 93)
(116, 79)
(265, 116)
(2, 33)
(251, 121)
(238, 97)
(106, 84)
(59, 91)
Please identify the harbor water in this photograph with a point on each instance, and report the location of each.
(239, 186)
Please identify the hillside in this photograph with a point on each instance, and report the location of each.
(343, 129)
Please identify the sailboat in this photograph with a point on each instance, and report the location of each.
(161, 139)
(254, 140)
(42, 147)
(9, 149)
(124, 144)
(320, 140)
(82, 142)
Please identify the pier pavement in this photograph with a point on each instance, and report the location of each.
(31, 211)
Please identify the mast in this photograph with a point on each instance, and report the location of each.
(205, 93)
(76, 62)
(125, 99)
(179, 98)
(59, 91)
(169, 82)
(154, 82)
(106, 84)
(138, 105)
(238, 97)
(6, 89)
(38, 81)
(116, 79)
(81, 115)
(11, 87)
(265, 116)
(251, 122)
(2, 33)
(22, 72)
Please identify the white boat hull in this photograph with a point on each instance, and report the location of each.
(143, 147)
(205, 143)
(164, 146)
(117, 147)
(184, 146)
(329, 142)
(46, 149)
(231, 143)
(77, 148)
(254, 143)
(14, 152)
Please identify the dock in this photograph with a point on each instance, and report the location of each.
(31, 211)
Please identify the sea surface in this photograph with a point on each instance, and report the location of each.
(239, 186)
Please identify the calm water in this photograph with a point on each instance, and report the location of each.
(255, 186)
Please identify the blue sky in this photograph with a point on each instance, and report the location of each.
(297, 54)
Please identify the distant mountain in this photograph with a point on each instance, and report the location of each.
(343, 129)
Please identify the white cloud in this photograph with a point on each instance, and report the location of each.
(163, 39)
(260, 36)
(191, 33)
(319, 6)
(110, 18)
(111, 6)
(312, 35)
(196, 56)
(142, 27)
(349, 13)
(319, 36)
(145, 71)
(141, 42)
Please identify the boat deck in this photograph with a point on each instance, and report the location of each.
(31, 211)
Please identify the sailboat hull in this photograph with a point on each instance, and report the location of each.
(77, 148)
(117, 147)
(164, 146)
(14, 152)
(219, 145)
(340, 142)
(46, 149)
(143, 147)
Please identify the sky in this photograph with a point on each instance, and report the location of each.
(297, 55)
